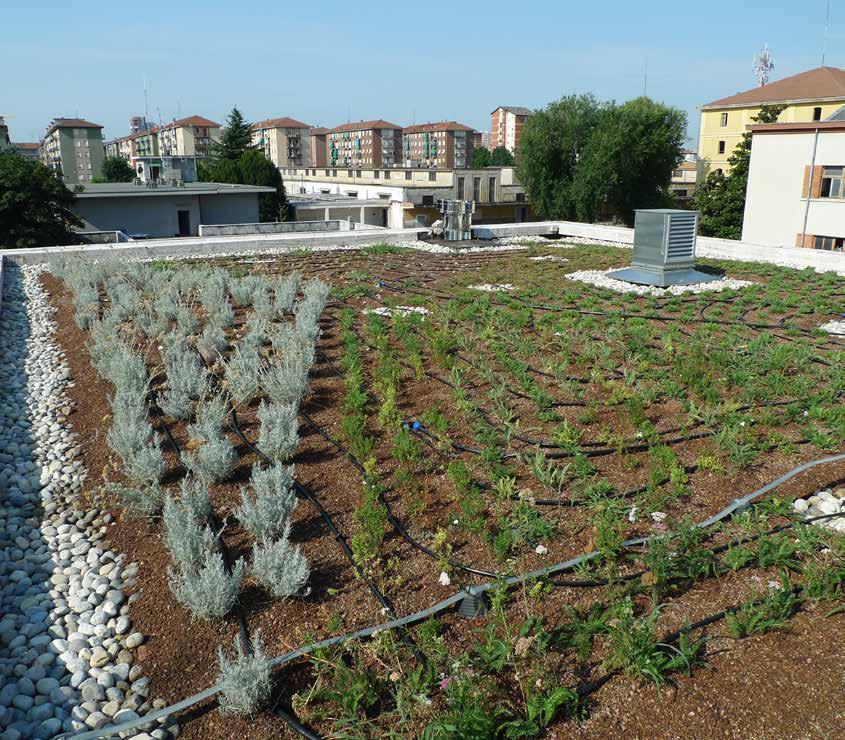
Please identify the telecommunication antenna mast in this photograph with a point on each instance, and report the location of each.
(826, 29)
(763, 64)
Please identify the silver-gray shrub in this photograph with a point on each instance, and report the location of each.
(244, 680)
(262, 303)
(209, 592)
(243, 289)
(186, 319)
(287, 381)
(242, 374)
(266, 513)
(187, 381)
(143, 501)
(186, 533)
(131, 436)
(119, 364)
(278, 435)
(285, 289)
(223, 315)
(280, 567)
(258, 329)
(214, 458)
(213, 290)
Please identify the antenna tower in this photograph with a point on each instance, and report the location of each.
(763, 64)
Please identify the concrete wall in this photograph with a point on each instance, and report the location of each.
(231, 208)
(157, 215)
(278, 227)
(153, 215)
(774, 206)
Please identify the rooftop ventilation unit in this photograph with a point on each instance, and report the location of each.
(664, 250)
(456, 224)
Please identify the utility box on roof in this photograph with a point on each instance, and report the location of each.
(664, 250)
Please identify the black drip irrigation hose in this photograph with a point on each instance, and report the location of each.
(444, 605)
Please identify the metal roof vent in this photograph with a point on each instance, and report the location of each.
(664, 250)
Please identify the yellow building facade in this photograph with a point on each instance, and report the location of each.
(810, 96)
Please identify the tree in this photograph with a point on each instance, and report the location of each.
(501, 157)
(252, 168)
(235, 139)
(552, 142)
(255, 169)
(34, 205)
(581, 159)
(480, 158)
(721, 198)
(117, 169)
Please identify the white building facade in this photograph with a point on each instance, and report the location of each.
(796, 186)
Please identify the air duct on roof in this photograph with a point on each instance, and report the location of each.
(664, 250)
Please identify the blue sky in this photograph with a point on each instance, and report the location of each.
(321, 61)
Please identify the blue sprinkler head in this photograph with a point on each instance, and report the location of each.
(416, 426)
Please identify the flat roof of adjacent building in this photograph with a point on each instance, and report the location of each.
(129, 189)
(319, 130)
(26, 144)
(280, 123)
(822, 83)
(336, 200)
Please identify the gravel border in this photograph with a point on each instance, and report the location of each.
(599, 278)
(67, 660)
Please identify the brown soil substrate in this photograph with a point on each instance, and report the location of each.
(740, 695)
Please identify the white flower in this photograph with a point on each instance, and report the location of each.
(632, 514)
(773, 585)
(658, 516)
(639, 435)
(806, 413)
(444, 579)
(455, 522)
(541, 550)
(742, 423)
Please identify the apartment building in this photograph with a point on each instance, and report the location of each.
(187, 137)
(74, 147)
(319, 146)
(27, 149)
(4, 133)
(286, 142)
(809, 96)
(365, 144)
(445, 144)
(796, 185)
(506, 124)
(402, 197)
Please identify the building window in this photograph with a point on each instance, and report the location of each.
(432, 176)
(352, 193)
(428, 200)
(520, 197)
(460, 188)
(833, 182)
(407, 175)
(357, 173)
(386, 174)
(817, 113)
(375, 174)
(719, 171)
(829, 243)
(491, 190)
(723, 120)
(721, 147)
(476, 189)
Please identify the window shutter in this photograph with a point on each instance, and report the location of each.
(818, 171)
(805, 191)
